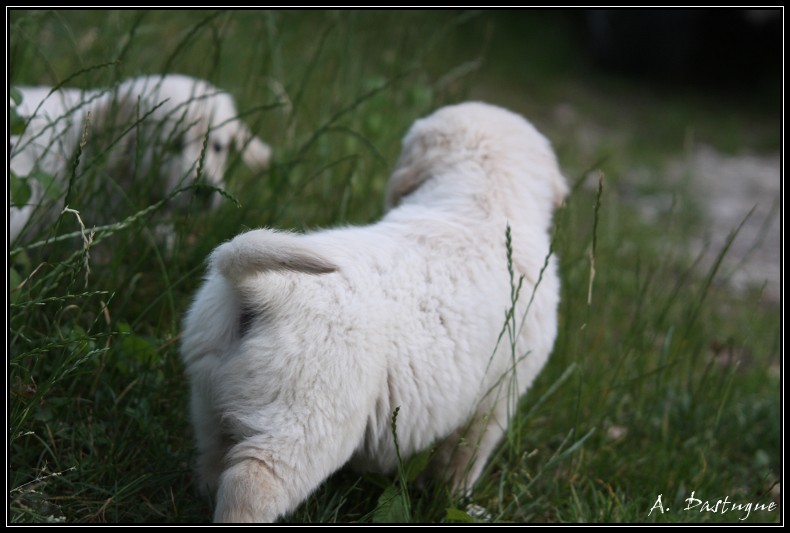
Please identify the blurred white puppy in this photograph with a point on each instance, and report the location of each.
(300, 347)
(170, 114)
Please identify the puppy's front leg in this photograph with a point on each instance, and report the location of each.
(462, 457)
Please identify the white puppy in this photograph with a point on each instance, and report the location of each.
(300, 347)
(170, 114)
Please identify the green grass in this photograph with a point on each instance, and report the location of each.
(661, 382)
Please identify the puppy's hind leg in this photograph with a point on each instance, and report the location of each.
(212, 445)
(266, 477)
(251, 490)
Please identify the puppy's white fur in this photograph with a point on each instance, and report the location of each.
(173, 109)
(300, 347)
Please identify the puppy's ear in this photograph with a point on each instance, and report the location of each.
(560, 188)
(254, 152)
(404, 181)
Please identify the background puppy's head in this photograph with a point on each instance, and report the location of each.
(183, 111)
(463, 142)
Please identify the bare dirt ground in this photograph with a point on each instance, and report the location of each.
(728, 188)
(725, 188)
(733, 193)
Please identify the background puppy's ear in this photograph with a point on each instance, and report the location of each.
(254, 152)
(560, 188)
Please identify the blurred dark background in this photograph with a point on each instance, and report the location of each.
(737, 46)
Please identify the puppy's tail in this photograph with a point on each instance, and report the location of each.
(266, 250)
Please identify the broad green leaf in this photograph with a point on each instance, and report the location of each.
(14, 280)
(16, 95)
(390, 508)
(416, 464)
(20, 190)
(15, 121)
(457, 515)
